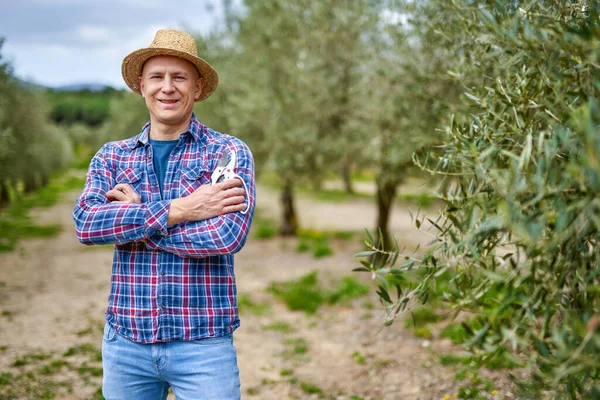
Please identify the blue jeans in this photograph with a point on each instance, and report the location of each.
(201, 369)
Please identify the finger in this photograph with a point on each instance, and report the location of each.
(231, 183)
(125, 188)
(234, 192)
(234, 200)
(114, 194)
(234, 208)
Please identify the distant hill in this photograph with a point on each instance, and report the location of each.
(29, 85)
(76, 87)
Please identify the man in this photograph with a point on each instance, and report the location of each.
(172, 306)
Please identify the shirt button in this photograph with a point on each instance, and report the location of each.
(162, 273)
(163, 306)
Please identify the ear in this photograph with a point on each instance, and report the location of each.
(141, 85)
(199, 87)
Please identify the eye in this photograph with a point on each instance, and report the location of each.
(154, 77)
(179, 78)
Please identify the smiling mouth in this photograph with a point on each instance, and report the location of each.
(168, 101)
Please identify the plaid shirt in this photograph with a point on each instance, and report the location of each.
(168, 282)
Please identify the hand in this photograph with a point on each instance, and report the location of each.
(208, 201)
(123, 193)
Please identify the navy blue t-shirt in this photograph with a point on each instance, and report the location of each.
(161, 150)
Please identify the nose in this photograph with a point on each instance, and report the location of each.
(168, 85)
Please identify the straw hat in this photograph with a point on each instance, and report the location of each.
(169, 42)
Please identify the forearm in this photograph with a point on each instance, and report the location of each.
(118, 223)
(177, 213)
(225, 234)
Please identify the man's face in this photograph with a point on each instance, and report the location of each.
(170, 86)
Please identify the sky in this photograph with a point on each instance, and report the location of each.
(62, 42)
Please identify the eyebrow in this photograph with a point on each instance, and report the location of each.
(160, 71)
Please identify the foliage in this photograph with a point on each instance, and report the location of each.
(520, 231)
(297, 72)
(31, 149)
(128, 114)
(84, 106)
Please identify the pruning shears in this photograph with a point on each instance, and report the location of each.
(226, 170)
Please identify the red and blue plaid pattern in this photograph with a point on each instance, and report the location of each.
(168, 282)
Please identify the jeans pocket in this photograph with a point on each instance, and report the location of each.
(214, 341)
(109, 333)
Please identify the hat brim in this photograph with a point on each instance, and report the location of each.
(134, 62)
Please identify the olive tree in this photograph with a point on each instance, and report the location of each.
(300, 64)
(520, 232)
(31, 149)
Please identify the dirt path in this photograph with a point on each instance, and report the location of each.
(53, 293)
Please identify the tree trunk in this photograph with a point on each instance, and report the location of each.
(289, 222)
(31, 183)
(4, 197)
(386, 192)
(347, 176)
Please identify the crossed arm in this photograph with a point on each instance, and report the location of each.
(204, 223)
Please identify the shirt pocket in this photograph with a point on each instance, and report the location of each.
(192, 178)
(132, 177)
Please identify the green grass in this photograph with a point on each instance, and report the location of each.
(86, 370)
(5, 378)
(280, 326)
(343, 235)
(15, 221)
(347, 290)
(310, 388)
(359, 358)
(297, 346)
(94, 353)
(86, 331)
(502, 360)
(28, 385)
(315, 241)
(422, 200)
(248, 306)
(262, 227)
(423, 332)
(303, 245)
(306, 293)
(51, 376)
(451, 359)
(422, 317)
(458, 333)
(303, 294)
(367, 175)
(253, 391)
(340, 196)
(322, 249)
(53, 367)
(318, 242)
(30, 358)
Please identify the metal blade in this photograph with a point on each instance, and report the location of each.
(225, 158)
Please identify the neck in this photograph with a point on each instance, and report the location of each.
(163, 131)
